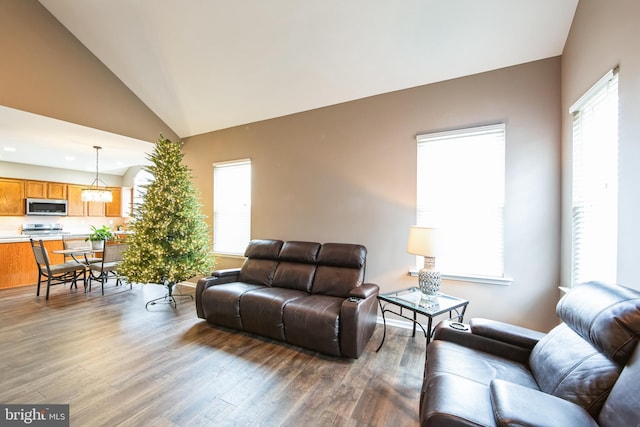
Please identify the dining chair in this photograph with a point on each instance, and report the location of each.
(79, 244)
(56, 274)
(111, 257)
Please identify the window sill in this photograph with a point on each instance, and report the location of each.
(487, 280)
(228, 255)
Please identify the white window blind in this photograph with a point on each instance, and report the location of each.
(461, 192)
(231, 206)
(595, 183)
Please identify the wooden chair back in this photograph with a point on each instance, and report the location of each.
(114, 252)
(41, 255)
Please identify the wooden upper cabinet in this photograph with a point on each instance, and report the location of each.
(45, 190)
(56, 190)
(14, 191)
(114, 207)
(95, 208)
(121, 204)
(35, 189)
(11, 197)
(75, 205)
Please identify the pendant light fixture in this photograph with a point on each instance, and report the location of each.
(96, 192)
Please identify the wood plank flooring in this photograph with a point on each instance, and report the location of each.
(117, 364)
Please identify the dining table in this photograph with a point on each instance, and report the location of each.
(74, 253)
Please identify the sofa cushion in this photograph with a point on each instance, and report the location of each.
(314, 322)
(605, 315)
(293, 275)
(261, 262)
(445, 357)
(297, 268)
(221, 303)
(342, 255)
(450, 400)
(262, 309)
(263, 249)
(258, 271)
(341, 267)
(567, 366)
(621, 407)
(304, 252)
(514, 405)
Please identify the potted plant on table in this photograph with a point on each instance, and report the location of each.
(98, 236)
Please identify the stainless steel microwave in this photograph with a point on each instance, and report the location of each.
(46, 207)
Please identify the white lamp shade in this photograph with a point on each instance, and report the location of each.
(423, 241)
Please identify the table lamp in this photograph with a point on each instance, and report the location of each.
(424, 241)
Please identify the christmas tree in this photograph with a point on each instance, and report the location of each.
(170, 241)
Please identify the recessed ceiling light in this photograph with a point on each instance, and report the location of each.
(11, 149)
(69, 158)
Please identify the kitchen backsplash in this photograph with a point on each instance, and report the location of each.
(12, 225)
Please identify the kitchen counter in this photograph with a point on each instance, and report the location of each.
(47, 237)
(18, 267)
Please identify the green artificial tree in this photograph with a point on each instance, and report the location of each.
(170, 240)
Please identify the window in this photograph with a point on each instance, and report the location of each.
(461, 192)
(141, 181)
(231, 206)
(594, 209)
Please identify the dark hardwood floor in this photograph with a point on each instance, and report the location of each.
(116, 363)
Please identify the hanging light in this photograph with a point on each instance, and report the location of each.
(96, 192)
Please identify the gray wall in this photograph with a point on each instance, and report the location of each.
(605, 34)
(347, 173)
(45, 70)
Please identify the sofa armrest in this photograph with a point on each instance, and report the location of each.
(217, 277)
(365, 290)
(444, 331)
(226, 273)
(358, 319)
(505, 332)
(516, 405)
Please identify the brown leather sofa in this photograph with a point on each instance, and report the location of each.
(304, 293)
(584, 372)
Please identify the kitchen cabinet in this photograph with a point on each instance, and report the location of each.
(75, 205)
(14, 191)
(119, 206)
(45, 190)
(56, 190)
(121, 203)
(11, 197)
(95, 208)
(18, 266)
(35, 189)
(114, 207)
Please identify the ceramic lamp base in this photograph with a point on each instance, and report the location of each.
(429, 280)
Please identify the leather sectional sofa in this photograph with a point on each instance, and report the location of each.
(584, 372)
(307, 294)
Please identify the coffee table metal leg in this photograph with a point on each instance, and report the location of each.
(415, 320)
(384, 326)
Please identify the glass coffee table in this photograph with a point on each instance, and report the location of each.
(410, 299)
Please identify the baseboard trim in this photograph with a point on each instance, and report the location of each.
(397, 323)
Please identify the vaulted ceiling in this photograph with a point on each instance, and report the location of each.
(204, 65)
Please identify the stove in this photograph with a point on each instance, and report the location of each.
(42, 229)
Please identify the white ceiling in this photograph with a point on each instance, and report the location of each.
(204, 65)
(43, 141)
